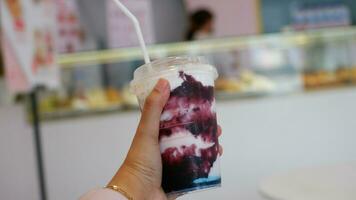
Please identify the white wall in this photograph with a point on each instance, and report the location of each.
(261, 137)
(18, 178)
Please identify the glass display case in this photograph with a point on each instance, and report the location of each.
(249, 67)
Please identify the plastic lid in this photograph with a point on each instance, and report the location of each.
(168, 65)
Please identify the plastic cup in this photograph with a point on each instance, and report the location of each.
(188, 128)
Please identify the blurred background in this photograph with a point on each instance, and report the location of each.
(286, 92)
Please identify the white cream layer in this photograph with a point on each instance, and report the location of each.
(184, 138)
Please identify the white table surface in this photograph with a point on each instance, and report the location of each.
(336, 182)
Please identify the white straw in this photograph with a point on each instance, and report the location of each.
(137, 28)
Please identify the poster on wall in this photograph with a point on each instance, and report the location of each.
(28, 32)
(70, 33)
(121, 32)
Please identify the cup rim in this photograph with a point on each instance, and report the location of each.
(162, 67)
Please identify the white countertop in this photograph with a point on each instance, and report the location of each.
(335, 182)
(261, 137)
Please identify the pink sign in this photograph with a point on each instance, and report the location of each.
(70, 34)
(28, 30)
(15, 77)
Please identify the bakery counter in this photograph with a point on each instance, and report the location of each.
(249, 67)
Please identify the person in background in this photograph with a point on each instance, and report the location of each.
(201, 25)
(140, 176)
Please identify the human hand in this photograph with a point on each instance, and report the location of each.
(141, 173)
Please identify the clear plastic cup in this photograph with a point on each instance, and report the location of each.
(188, 127)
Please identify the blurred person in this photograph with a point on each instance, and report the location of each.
(140, 175)
(201, 25)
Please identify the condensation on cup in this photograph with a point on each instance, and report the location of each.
(188, 128)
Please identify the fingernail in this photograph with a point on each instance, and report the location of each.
(162, 85)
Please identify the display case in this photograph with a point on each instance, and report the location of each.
(249, 67)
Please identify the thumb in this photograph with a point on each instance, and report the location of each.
(152, 110)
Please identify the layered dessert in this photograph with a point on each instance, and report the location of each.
(188, 136)
(188, 128)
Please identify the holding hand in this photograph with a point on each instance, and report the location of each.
(140, 176)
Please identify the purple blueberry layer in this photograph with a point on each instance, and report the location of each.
(190, 110)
